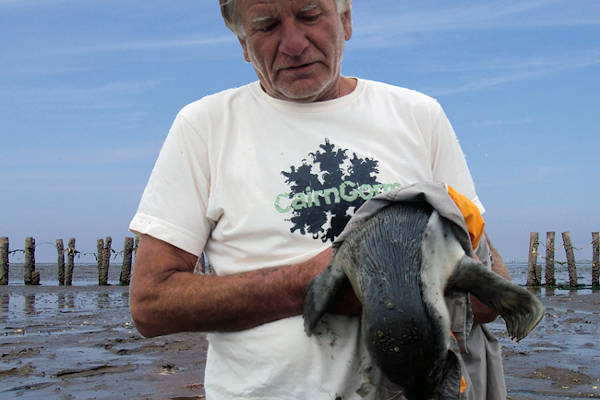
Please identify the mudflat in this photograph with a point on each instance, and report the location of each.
(80, 343)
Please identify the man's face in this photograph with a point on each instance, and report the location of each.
(295, 46)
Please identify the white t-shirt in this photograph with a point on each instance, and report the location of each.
(259, 182)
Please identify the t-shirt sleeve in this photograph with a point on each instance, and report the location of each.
(448, 160)
(174, 202)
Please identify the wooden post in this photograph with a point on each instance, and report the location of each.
(105, 261)
(126, 268)
(595, 261)
(550, 279)
(27, 262)
(60, 248)
(100, 252)
(532, 275)
(70, 262)
(30, 275)
(4, 261)
(570, 259)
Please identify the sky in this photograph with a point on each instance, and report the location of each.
(89, 89)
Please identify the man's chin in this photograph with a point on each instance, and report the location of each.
(305, 92)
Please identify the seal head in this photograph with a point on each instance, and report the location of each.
(400, 263)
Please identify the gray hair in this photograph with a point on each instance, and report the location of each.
(233, 22)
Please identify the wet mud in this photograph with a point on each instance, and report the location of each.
(560, 359)
(80, 343)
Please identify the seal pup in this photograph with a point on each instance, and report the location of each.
(400, 263)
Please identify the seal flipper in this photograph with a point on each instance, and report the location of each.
(321, 291)
(520, 309)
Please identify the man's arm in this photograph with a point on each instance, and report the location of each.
(167, 297)
(483, 314)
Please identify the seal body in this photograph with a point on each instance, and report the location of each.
(400, 263)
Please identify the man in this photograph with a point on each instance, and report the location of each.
(262, 178)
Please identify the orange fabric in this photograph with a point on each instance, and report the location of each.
(463, 384)
(470, 212)
(463, 381)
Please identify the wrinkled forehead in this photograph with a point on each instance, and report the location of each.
(254, 7)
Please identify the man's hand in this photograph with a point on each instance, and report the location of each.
(345, 302)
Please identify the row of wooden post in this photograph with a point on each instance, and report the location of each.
(65, 271)
(534, 270)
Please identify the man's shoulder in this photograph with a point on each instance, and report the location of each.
(217, 101)
(401, 94)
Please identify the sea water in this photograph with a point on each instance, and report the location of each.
(85, 274)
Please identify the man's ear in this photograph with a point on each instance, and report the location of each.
(346, 17)
(245, 48)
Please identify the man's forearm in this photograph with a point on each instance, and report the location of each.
(191, 302)
(482, 313)
(176, 299)
(498, 265)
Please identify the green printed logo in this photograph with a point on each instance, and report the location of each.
(347, 191)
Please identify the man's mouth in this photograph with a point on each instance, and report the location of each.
(298, 67)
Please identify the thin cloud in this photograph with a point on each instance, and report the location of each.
(149, 45)
(486, 82)
(487, 16)
(17, 70)
(121, 47)
(110, 94)
(31, 3)
(587, 58)
(502, 122)
(66, 184)
(506, 71)
(49, 157)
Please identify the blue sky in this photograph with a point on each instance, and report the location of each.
(88, 90)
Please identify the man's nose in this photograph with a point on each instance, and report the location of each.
(293, 39)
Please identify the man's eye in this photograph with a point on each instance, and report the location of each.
(267, 27)
(310, 17)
